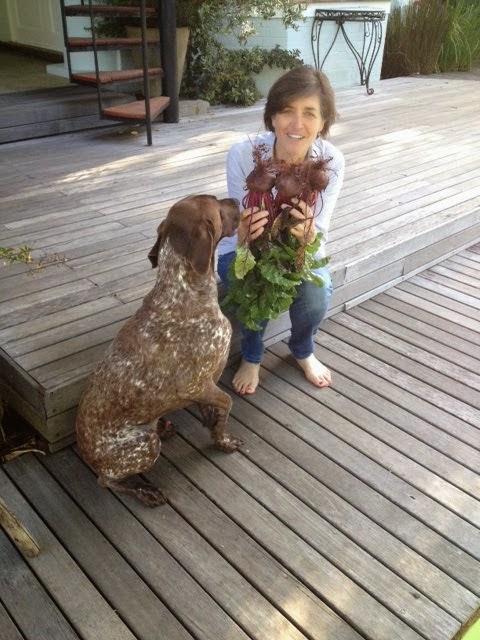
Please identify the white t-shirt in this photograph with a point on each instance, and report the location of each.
(240, 163)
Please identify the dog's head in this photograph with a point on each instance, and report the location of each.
(194, 226)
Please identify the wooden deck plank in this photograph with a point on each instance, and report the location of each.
(350, 511)
(109, 568)
(9, 629)
(431, 338)
(251, 610)
(78, 599)
(373, 461)
(299, 527)
(308, 447)
(413, 297)
(20, 586)
(454, 380)
(352, 400)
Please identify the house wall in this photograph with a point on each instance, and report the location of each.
(32, 23)
(4, 22)
(340, 65)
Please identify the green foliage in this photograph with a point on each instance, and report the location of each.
(431, 35)
(235, 16)
(223, 76)
(213, 72)
(414, 38)
(264, 277)
(461, 49)
(10, 255)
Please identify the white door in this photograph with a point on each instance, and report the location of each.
(36, 23)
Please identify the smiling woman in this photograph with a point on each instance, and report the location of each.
(277, 260)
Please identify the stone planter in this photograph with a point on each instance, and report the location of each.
(182, 34)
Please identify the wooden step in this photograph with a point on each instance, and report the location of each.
(86, 44)
(102, 10)
(106, 77)
(136, 110)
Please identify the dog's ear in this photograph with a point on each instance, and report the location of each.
(196, 244)
(202, 249)
(153, 253)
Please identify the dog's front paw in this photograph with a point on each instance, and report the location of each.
(228, 443)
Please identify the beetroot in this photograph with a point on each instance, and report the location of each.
(315, 174)
(260, 182)
(303, 181)
(260, 179)
(290, 182)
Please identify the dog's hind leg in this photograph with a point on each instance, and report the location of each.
(142, 489)
(215, 407)
(165, 429)
(123, 453)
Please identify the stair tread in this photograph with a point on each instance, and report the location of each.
(106, 77)
(109, 42)
(136, 110)
(104, 10)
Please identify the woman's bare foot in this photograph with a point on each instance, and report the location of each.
(246, 378)
(315, 371)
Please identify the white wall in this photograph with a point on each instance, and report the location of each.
(340, 65)
(4, 23)
(35, 23)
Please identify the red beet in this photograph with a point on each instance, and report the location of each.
(315, 174)
(260, 179)
(289, 181)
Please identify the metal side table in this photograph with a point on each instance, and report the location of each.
(372, 37)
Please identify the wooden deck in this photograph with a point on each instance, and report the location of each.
(350, 513)
(411, 198)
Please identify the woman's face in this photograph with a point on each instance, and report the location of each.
(296, 127)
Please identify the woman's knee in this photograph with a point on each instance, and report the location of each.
(223, 265)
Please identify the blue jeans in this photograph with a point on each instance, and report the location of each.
(306, 313)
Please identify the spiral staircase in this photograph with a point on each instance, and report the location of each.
(145, 107)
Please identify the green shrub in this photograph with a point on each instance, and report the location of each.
(223, 76)
(415, 36)
(213, 72)
(461, 49)
(220, 75)
(432, 35)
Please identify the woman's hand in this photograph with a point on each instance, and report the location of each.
(304, 230)
(252, 223)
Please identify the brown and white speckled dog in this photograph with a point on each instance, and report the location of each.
(169, 355)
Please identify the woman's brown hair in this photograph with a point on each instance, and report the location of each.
(298, 83)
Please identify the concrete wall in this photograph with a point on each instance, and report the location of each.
(4, 23)
(340, 65)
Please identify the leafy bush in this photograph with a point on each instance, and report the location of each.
(220, 75)
(223, 76)
(213, 72)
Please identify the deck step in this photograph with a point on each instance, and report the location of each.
(86, 44)
(106, 77)
(103, 10)
(136, 110)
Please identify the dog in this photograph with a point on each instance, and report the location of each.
(167, 356)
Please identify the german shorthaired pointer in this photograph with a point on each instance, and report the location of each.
(169, 355)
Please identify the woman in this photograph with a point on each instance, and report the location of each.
(299, 112)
